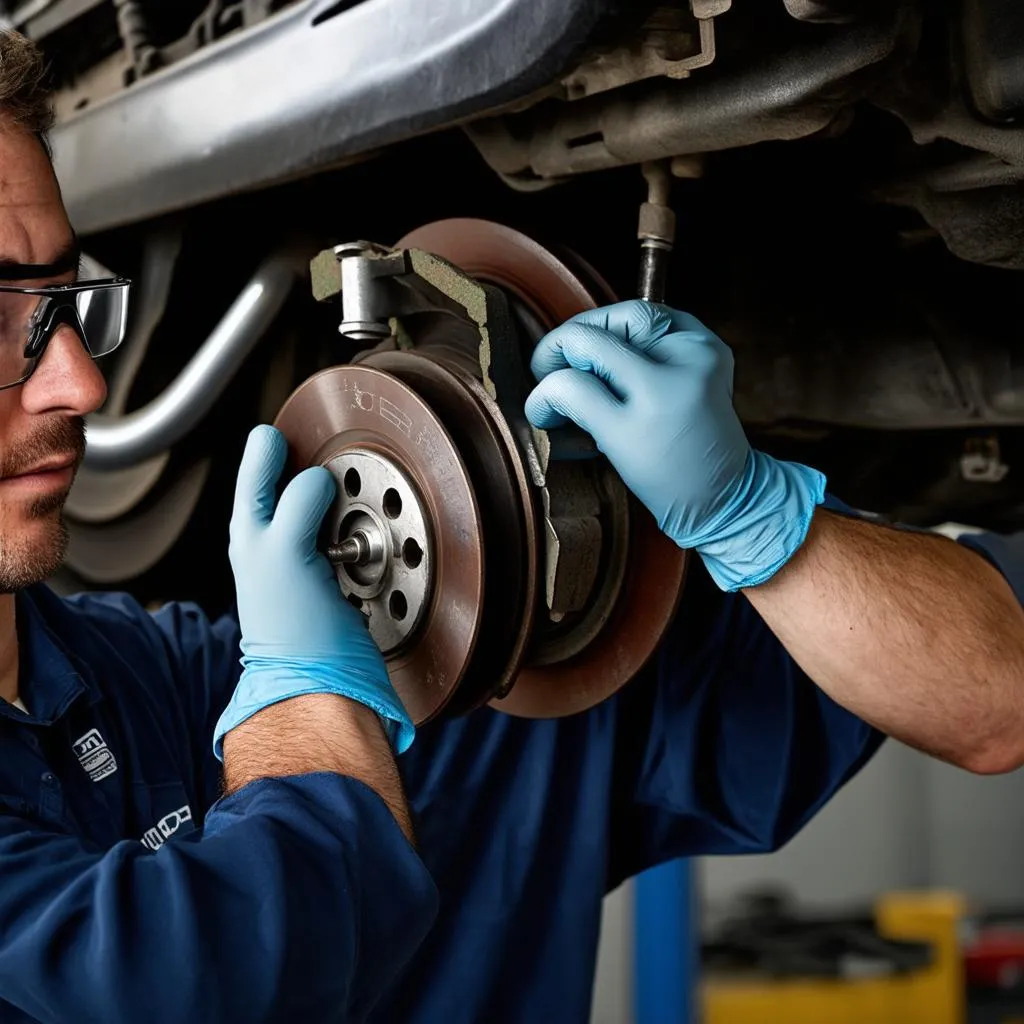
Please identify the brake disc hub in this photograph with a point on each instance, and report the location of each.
(391, 577)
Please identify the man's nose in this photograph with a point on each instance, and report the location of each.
(66, 379)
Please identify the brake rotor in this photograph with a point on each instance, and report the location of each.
(411, 485)
(507, 514)
(498, 255)
(650, 591)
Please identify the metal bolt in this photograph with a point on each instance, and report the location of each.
(355, 550)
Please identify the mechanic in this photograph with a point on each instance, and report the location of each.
(301, 898)
(132, 887)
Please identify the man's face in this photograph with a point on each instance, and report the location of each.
(42, 431)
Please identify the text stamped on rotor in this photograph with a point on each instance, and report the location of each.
(387, 409)
(395, 416)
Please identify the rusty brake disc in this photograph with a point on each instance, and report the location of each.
(550, 289)
(506, 511)
(358, 409)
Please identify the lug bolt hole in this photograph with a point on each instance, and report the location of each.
(392, 503)
(353, 485)
(412, 553)
(397, 605)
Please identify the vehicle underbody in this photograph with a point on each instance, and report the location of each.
(846, 179)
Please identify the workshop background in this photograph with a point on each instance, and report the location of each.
(907, 822)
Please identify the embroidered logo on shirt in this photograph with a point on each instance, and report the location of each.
(94, 755)
(156, 836)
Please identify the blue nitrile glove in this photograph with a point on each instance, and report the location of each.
(653, 386)
(299, 634)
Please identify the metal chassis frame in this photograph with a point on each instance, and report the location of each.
(303, 91)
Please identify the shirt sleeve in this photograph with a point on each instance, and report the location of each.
(1005, 552)
(300, 900)
(730, 746)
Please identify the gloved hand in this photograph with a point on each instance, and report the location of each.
(299, 634)
(653, 386)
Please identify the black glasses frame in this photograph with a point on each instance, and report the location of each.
(55, 314)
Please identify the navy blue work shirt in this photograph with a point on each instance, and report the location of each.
(130, 892)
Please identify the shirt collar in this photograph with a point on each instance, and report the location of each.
(50, 677)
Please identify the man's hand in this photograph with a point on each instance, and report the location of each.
(301, 638)
(915, 634)
(653, 386)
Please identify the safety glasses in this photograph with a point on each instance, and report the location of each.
(97, 311)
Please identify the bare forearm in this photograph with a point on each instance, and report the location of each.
(916, 634)
(316, 733)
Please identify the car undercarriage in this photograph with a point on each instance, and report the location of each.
(846, 180)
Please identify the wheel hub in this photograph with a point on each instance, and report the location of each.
(390, 578)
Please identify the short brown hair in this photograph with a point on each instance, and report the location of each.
(26, 101)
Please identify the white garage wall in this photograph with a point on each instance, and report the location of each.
(976, 833)
(905, 821)
(613, 988)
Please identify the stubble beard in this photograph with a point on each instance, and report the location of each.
(31, 555)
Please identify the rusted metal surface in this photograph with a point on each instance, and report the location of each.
(499, 255)
(349, 407)
(510, 575)
(443, 401)
(791, 93)
(543, 290)
(552, 292)
(646, 606)
(672, 43)
(531, 541)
